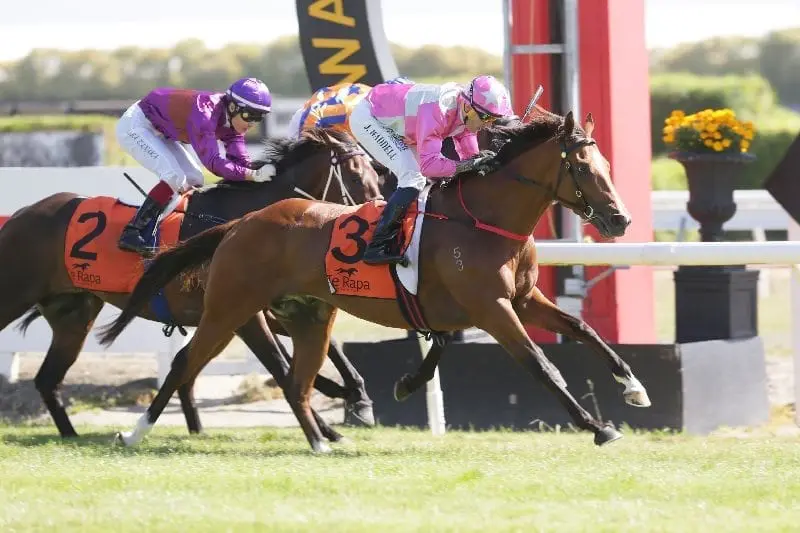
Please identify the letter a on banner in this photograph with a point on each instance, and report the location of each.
(343, 41)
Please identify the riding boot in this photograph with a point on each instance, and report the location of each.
(132, 238)
(380, 250)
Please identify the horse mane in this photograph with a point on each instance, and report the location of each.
(285, 152)
(517, 137)
(513, 137)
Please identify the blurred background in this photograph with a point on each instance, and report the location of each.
(64, 65)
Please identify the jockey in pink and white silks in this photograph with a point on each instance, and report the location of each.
(403, 127)
(156, 129)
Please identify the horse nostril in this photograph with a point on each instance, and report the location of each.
(618, 220)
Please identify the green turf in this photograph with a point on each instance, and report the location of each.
(397, 480)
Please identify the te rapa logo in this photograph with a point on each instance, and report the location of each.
(347, 271)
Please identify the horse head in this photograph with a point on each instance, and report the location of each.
(323, 164)
(556, 155)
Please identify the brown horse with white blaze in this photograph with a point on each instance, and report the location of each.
(280, 251)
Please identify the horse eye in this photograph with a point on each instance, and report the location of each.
(583, 169)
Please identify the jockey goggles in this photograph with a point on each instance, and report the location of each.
(249, 115)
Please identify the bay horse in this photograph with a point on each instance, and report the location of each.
(477, 267)
(324, 165)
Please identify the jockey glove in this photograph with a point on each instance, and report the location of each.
(483, 162)
(264, 173)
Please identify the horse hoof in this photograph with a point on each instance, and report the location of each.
(118, 440)
(606, 435)
(321, 448)
(362, 412)
(401, 392)
(637, 398)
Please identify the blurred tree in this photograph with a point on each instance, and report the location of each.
(717, 56)
(282, 67)
(780, 64)
(129, 72)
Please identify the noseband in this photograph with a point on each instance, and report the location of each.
(582, 205)
(335, 173)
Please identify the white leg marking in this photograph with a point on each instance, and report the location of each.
(634, 393)
(140, 431)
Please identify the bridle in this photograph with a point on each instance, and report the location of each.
(587, 212)
(581, 206)
(335, 173)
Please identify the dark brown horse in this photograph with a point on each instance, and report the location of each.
(477, 268)
(321, 165)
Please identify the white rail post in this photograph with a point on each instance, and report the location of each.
(794, 235)
(9, 366)
(434, 399)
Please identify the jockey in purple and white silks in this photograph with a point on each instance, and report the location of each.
(403, 127)
(156, 129)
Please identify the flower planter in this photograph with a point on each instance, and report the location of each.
(711, 178)
(719, 301)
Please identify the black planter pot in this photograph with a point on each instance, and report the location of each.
(719, 301)
(711, 179)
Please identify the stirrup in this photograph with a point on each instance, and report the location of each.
(380, 255)
(140, 247)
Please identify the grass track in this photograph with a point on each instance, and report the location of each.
(397, 480)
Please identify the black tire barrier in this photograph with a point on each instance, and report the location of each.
(697, 387)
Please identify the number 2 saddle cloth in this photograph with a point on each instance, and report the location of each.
(91, 255)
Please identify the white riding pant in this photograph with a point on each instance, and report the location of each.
(170, 160)
(294, 124)
(387, 147)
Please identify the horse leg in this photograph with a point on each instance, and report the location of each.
(189, 407)
(22, 287)
(408, 384)
(501, 321)
(354, 393)
(537, 309)
(258, 336)
(208, 341)
(357, 402)
(217, 325)
(326, 386)
(310, 336)
(70, 317)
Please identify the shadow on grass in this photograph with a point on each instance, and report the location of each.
(269, 444)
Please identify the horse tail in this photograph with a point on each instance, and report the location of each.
(32, 315)
(164, 267)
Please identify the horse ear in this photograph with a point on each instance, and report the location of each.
(569, 123)
(589, 127)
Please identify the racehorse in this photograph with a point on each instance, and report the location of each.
(321, 165)
(477, 267)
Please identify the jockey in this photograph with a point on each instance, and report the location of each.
(403, 127)
(330, 107)
(156, 129)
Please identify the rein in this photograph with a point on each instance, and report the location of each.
(335, 173)
(586, 210)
